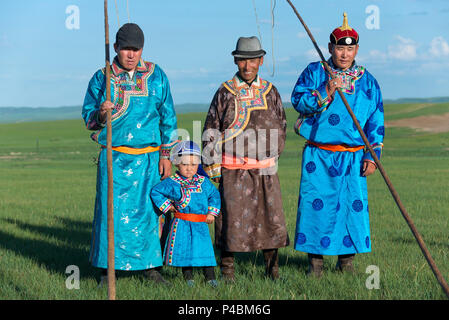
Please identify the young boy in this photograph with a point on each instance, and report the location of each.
(195, 202)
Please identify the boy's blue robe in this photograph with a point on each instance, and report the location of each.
(188, 243)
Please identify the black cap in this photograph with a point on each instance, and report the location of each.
(129, 36)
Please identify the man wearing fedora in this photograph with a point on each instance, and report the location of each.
(243, 137)
(333, 217)
(143, 133)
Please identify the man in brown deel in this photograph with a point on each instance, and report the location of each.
(243, 136)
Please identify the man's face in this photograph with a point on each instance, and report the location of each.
(343, 56)
(248, 68)
(128, 57)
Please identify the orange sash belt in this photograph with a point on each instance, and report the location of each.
(130, 150)
(335, 147)
(245, 163)
(190, 216)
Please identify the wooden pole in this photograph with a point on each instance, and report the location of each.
(395, 195)
(111, 251)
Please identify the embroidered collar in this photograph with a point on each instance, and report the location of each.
(196, 180)
(348, 77)
(117, 69)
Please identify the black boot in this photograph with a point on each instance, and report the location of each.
(227, 266)
(344, 263)
(271, 263)
(315, 265)
(156, 277)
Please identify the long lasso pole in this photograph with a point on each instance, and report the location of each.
(111, 251)
(395, 195)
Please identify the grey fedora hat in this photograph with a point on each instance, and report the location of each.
(248, 47)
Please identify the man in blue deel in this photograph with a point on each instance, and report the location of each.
(143, 133)
(332, 217)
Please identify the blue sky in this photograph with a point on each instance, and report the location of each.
(46, 63)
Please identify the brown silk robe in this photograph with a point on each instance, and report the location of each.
(252, 216)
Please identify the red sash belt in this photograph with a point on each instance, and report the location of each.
(245, 163)
(335, 147)
(190, 216)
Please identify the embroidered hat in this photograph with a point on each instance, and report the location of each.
(129, 36)
(248, 48)
(344, 35)
(184, 148)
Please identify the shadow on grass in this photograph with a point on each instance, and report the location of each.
(294, 260)
(53, 256)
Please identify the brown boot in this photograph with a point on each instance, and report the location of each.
(344, 263)
(227, 266)
(315, 265)
(271, 263)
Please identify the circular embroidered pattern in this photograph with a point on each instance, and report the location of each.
(333, 172)
(347, 242)
(357, 205)
(310, 166)
(325, 241)
(334, 119)
(381, 130)
(367, 242)
(301, 239)
(310, 121)
(317, 204)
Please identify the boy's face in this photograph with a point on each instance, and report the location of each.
(188, 166)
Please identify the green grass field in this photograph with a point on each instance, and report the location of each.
(47, 187)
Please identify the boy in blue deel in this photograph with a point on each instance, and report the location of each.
(195, 202)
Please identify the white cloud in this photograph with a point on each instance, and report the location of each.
(404, 49)
(312, 54)
(439, 47)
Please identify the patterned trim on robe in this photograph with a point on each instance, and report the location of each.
(348, 77)
(213, 211)
(124, 89)
(247, 99)
(171, 242)
(213, 170)
(187, 187)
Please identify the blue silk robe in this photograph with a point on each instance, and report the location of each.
(188, 243)
(332, 216)
(143, 116)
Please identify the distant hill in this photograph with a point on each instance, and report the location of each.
(417, 100)
(29, 114)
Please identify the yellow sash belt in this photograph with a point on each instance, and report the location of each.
(130, 150)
